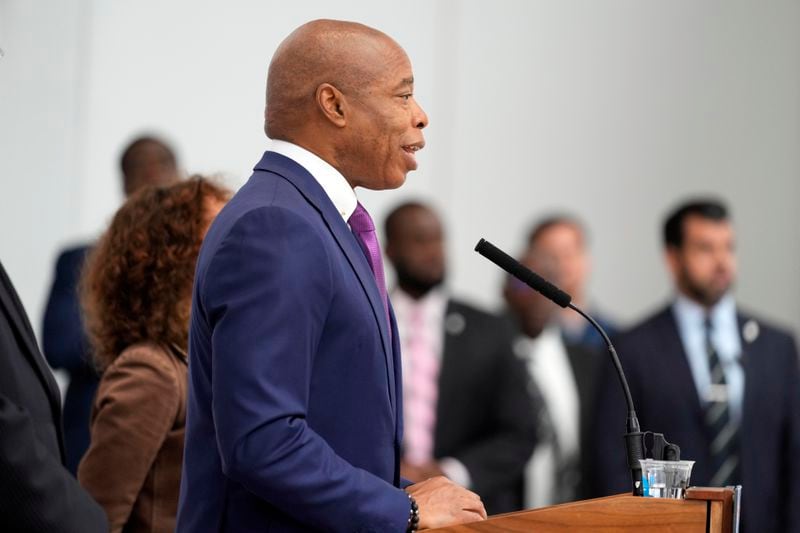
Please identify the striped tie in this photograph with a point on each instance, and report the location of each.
(723, 430)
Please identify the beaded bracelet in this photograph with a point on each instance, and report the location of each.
(413, 516)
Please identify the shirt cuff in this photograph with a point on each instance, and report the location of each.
(455, 471)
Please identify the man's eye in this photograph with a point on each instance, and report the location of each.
(406, 97)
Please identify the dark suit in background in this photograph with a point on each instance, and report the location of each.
(570, 481)
(667, 401)
(36, 492)
(586, 364)
(486, 417)
(65, 346)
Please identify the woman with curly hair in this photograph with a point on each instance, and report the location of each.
(136, 294)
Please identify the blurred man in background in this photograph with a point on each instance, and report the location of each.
(718, 382)
(565, 375)
(467, 410)
(560, 242)
(145, 161)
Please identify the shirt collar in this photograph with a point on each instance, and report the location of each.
(432, 304)
(331, 180)
(550, 336)
(690, 313)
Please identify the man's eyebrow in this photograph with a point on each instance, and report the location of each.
(406, 82)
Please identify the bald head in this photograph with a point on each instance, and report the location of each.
(346, 55)
(345, 92)
(145, 161)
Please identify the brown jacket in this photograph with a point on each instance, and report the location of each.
(133, 465)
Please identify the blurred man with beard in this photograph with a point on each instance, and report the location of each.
(718, 382)
(468, 413)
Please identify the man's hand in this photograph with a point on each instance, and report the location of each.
(443, 503)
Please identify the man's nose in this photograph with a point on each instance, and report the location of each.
(420, 117)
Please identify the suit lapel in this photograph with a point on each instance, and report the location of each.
(751, 380)
(447, 337)
(584, 363)
(18, 322)
(308, 186)
(398, 378)
(448, 369)
(682, 381)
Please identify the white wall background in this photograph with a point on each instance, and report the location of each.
(614, 110)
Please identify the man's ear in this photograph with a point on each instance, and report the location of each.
(672, 257)
(389, 250)
(332, 103)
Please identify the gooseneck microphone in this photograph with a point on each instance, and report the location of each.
(633, 438)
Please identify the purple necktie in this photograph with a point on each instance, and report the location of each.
(363, 228)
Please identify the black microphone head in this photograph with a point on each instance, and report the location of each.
(526, 275)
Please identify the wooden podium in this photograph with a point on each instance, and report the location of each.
(704, 510)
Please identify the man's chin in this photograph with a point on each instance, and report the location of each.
(386, 184)
(709, 297)
(395, 183)
(397, 179)
(420, 286)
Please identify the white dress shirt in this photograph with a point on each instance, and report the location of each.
(331, 180)
(549, 366)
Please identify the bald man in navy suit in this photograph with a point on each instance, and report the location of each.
(294, 418)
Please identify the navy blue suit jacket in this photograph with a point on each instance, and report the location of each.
(667, 401)
(294, 413)
(65, 346)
